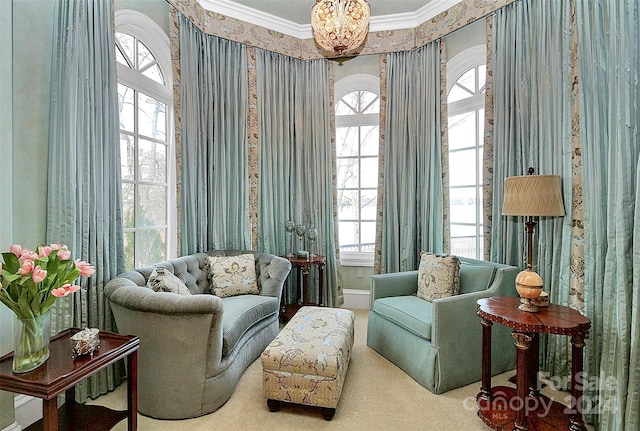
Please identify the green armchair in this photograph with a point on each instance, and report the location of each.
(439, 343)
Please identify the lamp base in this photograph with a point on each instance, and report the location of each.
(526, 304)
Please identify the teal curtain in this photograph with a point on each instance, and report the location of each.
(532, 128)
(412, 217)
(296, 180)
(214, 199)
(84, 195)
(609, 41)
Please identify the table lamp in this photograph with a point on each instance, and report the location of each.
(531, 196)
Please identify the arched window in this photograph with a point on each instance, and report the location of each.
(467, 76)
(357, 136)
(146, 139)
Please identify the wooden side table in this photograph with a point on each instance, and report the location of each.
(503, 408)
(303, 266)
(60, 373)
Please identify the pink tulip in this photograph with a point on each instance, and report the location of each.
(86, 269)
(28, 254)
(65, 290)
(57, 246)
(64, 254)
(44, 250)
(0, 268)
(16, 249)
(38, 275)
(27, 267)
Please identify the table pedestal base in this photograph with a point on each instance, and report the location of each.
(543, 414)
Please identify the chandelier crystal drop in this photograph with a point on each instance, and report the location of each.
(340, 25)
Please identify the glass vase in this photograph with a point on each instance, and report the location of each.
(31, 342)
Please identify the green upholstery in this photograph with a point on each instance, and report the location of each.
(409, 312)
(439, 344)
(194, 348)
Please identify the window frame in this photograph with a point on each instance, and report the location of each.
(156, 40)
(349, 84)
(460, 64)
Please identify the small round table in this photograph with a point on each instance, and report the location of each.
(525, 408)
(303, 266)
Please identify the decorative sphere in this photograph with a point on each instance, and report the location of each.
(529, 284)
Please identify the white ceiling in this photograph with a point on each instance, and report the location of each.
(292, 17)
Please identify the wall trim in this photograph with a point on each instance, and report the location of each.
(28, 410)
(356, 298)
(13, 427)
(303, 31)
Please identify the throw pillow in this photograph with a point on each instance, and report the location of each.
(438, 276)
(162, 280)
(233, 275)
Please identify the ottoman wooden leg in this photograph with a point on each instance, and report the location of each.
(274, 405)
(328, 413)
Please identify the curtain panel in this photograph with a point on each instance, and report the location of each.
(412, 217)
(214, 201)
(532, 128)
(84, 195)
(296, 163)
(609, 41)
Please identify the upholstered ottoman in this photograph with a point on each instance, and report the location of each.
(307, 361)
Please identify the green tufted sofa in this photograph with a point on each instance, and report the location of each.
(194, 348)
(439, 344)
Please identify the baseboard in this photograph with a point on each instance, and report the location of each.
(355, 298)
(13, 427)
(28, 410)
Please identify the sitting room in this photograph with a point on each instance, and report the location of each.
(312, 214)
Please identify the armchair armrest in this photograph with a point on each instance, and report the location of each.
(393, 284)
(454, 316)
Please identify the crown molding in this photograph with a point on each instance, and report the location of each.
(254, 16)
(303, 31)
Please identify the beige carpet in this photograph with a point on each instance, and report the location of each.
(377, 395)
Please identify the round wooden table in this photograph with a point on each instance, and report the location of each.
(525, 408)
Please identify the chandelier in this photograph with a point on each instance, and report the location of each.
(340, 25)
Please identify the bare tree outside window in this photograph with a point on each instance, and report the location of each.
(144, 149)
(357, 136)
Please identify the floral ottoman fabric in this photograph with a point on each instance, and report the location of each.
(307, 362)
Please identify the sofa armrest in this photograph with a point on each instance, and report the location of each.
(393, 284)
(178, 323)
(272, 272)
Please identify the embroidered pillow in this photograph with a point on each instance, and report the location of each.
(438, 276)
(233, 275)
(162, 280)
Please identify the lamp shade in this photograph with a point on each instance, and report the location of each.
(340, 25)
(533, 195)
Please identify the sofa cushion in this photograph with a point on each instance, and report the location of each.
(475, 278)
(240, 313)
(408, 312)
(162, 280)
(233, 275)
(438, 276)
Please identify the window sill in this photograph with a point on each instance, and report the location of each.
(356, 259)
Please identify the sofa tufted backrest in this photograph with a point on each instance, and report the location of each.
(271, 271)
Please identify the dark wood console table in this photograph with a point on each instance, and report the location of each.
(524, 408)
(60, 373)
(303, 266)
